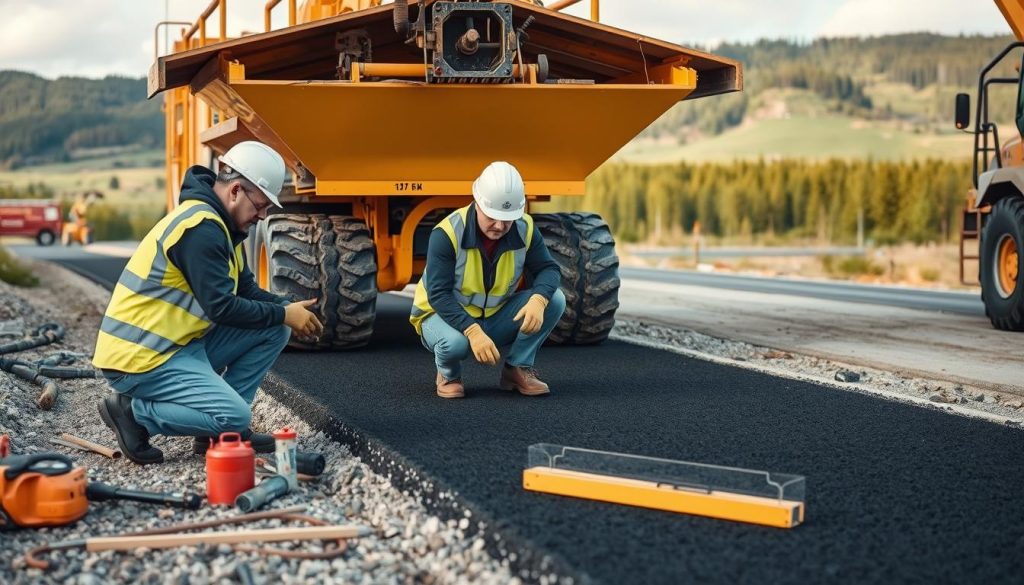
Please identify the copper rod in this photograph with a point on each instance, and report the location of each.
(94, 447)
(232, 537)
(404, 69)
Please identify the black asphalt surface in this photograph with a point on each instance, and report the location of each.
(102, 269)
(895, 493)
(928, 300)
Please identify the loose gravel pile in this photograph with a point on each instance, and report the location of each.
(410, 545)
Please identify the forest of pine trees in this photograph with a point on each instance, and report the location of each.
(771, 202)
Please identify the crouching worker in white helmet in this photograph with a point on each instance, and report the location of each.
(468, 302)
(188, 334)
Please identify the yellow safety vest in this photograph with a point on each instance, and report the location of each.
(469, 272)
(153, 312)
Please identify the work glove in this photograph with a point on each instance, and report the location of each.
(484, 349)
(532, 314)
(302, 321)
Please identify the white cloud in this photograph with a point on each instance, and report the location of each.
(878, 17)
(700, 21)
(99, 37)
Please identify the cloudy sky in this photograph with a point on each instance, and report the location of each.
(98, 37)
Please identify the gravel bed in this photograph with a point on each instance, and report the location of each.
(410, 544)
(953, 397)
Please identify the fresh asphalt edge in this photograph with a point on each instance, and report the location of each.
(501, 539)
(1014, 423)
(88, 275)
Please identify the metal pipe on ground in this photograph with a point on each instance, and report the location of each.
(87, 445)
(48, 397)
(32, 556)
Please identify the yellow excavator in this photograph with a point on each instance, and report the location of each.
(385, 113)
(992, 232)
(77, 228)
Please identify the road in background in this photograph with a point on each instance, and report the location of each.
(940, 335)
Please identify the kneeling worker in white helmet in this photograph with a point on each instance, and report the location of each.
(189, 335)
(469, 300)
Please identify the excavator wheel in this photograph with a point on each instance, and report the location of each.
(583, 246)
(356, 308)
(1002, 256)
(329, 258)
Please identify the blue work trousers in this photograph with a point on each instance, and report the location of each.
(451, 347)
(187, 396)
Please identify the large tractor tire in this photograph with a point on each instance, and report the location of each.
(584, 248)
(1002, 256)
(329, 258)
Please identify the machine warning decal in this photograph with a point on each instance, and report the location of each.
(408, 186)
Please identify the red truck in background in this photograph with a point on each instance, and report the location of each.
(34, 218)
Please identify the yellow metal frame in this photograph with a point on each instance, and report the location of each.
(221, 107)
(1013, 12)
(647, 494)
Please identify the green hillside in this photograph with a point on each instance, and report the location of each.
(805, 137)
(886, 98)
(44, 120)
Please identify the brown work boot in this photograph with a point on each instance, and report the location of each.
(449, 388)
(524, 380)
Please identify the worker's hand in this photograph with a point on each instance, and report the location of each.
(303, 321)
(484, 349)
(532, 314)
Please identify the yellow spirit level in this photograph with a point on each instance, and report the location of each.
(729, 493)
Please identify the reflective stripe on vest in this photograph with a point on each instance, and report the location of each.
(468, 279)
(152, 311)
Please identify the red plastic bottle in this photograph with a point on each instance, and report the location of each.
(230, 469)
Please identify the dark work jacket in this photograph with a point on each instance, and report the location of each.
(203, 256)
(540, 269)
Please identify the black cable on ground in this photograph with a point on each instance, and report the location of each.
(44, 335)
(42, 372)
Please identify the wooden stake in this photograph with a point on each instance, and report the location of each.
(233, 537)
(89, 445)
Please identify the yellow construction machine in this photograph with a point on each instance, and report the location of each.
(77, 228)
(992, 232)
(385, 113)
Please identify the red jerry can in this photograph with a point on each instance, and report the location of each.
(230, 469)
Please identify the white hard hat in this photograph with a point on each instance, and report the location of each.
(258, 163)
(499, 192)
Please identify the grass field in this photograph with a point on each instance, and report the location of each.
(127, 211)
(139, 177)
(805, 137)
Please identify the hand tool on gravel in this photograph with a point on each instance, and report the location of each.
(132, 540)
(69, 440)
(48, 489)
